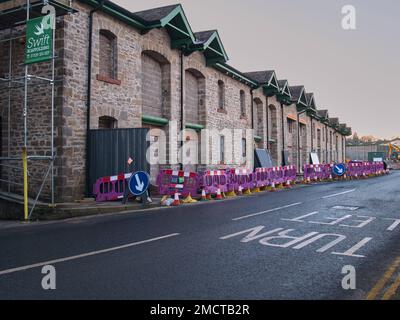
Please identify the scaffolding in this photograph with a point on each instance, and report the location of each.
(16, 14)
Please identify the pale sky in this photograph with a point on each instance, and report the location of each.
(354, 74)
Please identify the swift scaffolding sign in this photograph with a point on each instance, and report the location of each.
(39, 39)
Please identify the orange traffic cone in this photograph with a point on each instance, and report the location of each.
(219, 195)
(203, 195)
(272, 187)
(176, 202)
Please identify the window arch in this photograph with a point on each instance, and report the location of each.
(221, 94)
(108, 54)
(242, 103)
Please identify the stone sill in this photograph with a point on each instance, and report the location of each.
(219, 110)
(109, 80)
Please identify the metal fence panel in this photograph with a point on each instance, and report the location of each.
(109, 150)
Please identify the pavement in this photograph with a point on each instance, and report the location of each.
(303, 243)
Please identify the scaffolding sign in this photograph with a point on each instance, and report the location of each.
(39, 39)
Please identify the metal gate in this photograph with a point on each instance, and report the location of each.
(109, 150)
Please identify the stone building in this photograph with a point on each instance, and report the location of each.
(119, 69)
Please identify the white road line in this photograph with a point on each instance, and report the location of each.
(339, 194)
(267, 211)
(80, 256)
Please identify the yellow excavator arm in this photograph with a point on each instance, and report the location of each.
(395, 148)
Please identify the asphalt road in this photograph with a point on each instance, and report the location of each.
(253, 247)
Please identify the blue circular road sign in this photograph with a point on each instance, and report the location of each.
(139, 183)
(339, 169)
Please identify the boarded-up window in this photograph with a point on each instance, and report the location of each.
(156, 84)
(221, 94)
(242, 103)
(108, 54)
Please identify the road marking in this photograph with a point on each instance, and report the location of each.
(352, 250)
(280, 238)
(345, 208)
(392, 290)
(382, 282)
(267, 211)
(394, 224)
(80, 256)
(299, 219)
(338, 194)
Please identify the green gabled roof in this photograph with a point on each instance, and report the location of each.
(284, 88)
(334, 122)
(311, 101)
(299, 96)
(284, 95)
(173, 19)
(323, 115)
(210, 43)
(344, 129)
(267, 80)
(312, 109)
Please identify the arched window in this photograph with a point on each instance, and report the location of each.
(221, 94)
(108, 54)
(242, 103)
(106, 122)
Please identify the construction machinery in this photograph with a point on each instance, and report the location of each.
(394, 152)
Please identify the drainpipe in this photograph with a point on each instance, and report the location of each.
(312, 133)
(182, 107)
(326, 143)
(283, 135)
(89, 92)
(267, 113)
(252, 110)
(298, 140)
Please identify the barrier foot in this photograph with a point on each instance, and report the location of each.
(247, 192)
(231, 194)
(189, 199)
(256, 190)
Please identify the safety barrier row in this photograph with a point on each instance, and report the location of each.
(231, 181)
(364, 169)
(318, 172)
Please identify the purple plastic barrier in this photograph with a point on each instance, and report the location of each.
(290, 174)
(262, 177)
(212, 180)
(171, 181)
(110, 188)
(276, 175)
(243, 177)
